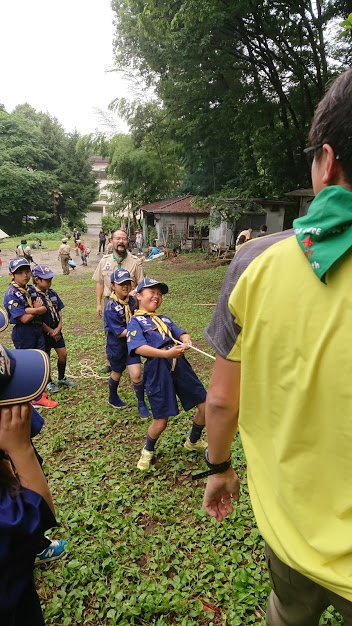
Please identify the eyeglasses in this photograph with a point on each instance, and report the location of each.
(309, 153)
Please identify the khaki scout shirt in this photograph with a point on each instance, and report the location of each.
(64, 250)
(108, 265)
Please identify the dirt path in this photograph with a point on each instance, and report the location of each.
(49, 258)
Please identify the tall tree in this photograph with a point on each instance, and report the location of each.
(240, 80)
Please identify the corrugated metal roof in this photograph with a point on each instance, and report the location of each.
(173, 205)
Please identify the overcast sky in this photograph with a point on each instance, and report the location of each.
(54, 54)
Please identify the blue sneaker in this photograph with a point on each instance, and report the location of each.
(143, 411)
(54, 551)
(117, 403)
(65, 382)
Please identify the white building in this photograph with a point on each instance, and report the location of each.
(101, 206)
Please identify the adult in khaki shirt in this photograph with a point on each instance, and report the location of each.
(120, 258)
(63, 255)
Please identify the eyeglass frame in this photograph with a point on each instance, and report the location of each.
(309, 153)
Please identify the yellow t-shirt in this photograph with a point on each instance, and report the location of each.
(296, 408)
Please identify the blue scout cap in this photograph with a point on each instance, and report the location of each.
(15, 264)
(43, 271)
(4, 320)
(23, 375)
(151, 282)
(120, 276)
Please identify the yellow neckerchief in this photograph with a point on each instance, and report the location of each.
(125, 304)
(53, 313)
(161, 326)
(25, 292)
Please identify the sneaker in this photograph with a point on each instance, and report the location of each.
(52, 552)
(198, 445)
(106, 370)
(143, 411)
(44, 402)
(117, 403)
(51, 387)
(145, 460)
(65, 382)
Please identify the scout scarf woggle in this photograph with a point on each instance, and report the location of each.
(325, 233)
(161, 326)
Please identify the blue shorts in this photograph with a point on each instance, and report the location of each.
(26, 336)
(51, 343)
(118, 362)
(163, 386)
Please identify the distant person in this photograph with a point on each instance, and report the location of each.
(241, 240)
(83, 251)
(102, 241)
(263, 231)
(20, 248)
(76, 237)
(63, 255)
(139, 242)
(246, 233)
(282, 375)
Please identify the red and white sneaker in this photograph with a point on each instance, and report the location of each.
(44, 402)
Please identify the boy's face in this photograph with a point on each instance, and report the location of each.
(150, 298)
(43, 284)
(122, 290)
(22, 276)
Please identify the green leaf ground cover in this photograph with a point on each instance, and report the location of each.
(140, 548)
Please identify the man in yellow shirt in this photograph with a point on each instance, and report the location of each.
(283, 375)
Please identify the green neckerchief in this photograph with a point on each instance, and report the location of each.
(124, 303)
(325, 233)
(119, 259)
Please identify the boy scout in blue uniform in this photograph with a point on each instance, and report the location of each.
(167, 373)
(118, 311)
(52, 323)
(24, 309)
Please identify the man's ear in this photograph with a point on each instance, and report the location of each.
(333, 174)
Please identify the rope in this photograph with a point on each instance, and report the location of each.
(197, 349)
(86, 371)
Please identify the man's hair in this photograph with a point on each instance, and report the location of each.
(121, 230)
(264, 227)
(332, 122)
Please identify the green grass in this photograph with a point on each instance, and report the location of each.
(141, 550)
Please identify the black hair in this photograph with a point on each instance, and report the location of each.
(332, 122)
(264, 227)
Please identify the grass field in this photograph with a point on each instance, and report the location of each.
(141, 550)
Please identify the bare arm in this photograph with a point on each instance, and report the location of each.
(38, 308)
(221, 418)
(15, 426)
(174, 353)
(99, 289)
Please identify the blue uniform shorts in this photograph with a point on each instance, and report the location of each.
(26, 336)
(118, 362)
(51, 343)
(163, 386)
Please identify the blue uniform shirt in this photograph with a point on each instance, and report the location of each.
(164, 379)
(53, 304)
(17, 300)
(115, 323)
